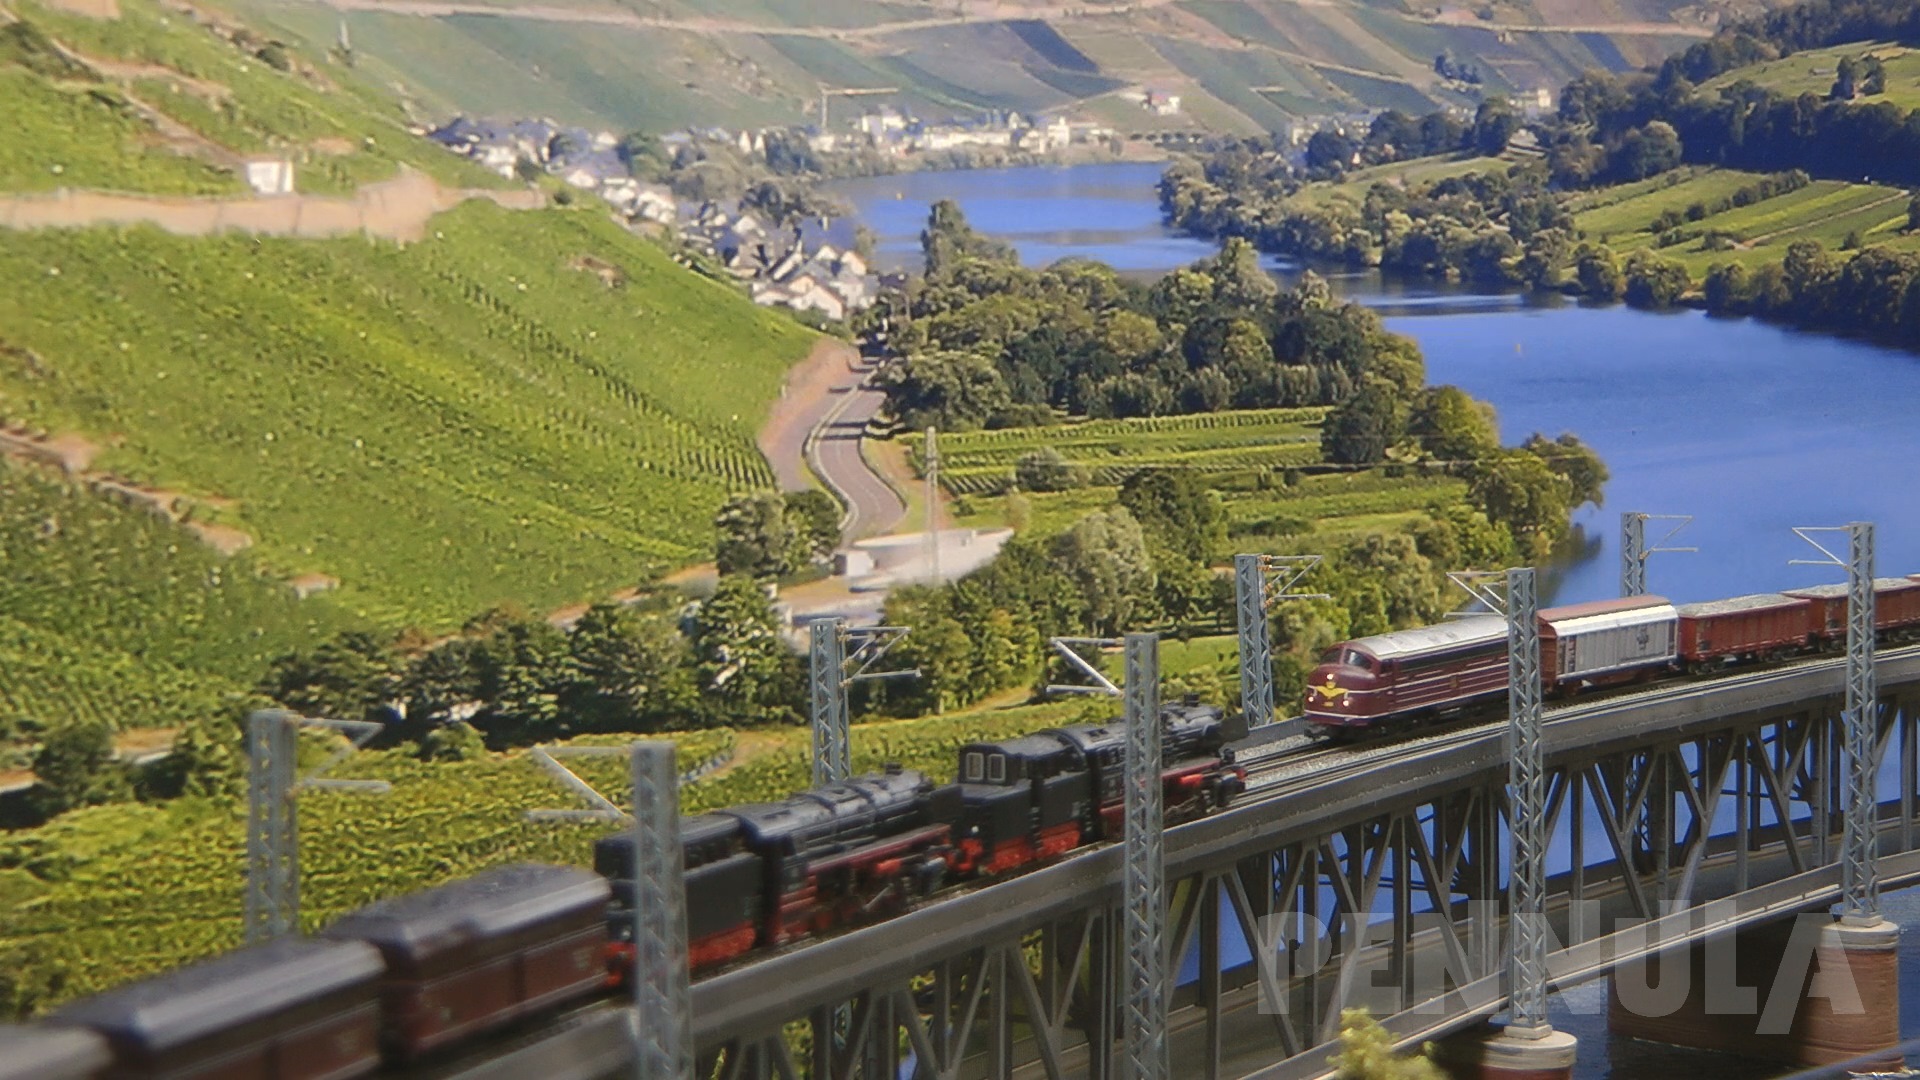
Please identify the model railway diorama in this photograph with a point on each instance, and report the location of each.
(428, 976)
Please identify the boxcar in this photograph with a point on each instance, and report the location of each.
(1605, 640)
(1434, 669)
(483, 951)
(292, 1009)
(1896, 607)
(1744, 628)
(44, 1053)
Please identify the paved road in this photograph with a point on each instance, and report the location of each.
(818, 424)
(873, 507)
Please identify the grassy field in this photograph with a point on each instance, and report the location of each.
(1813, 72)
(105, 895)
(107, 128)
(535, 407)
(1261, 464)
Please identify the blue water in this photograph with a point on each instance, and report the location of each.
(1751, 428)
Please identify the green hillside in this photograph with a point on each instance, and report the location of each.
(152, 101)
(110, 614)
(1240, 64)
(527, 407)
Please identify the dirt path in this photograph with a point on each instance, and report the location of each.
(396, 209)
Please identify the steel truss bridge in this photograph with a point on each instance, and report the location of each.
(1370, 875)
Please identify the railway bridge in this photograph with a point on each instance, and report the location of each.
(1687, 823)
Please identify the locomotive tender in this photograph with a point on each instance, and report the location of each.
(1395, 680)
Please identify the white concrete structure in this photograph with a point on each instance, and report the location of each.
(901, 559)
(270, 176)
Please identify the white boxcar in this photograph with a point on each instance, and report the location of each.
(1586, 641)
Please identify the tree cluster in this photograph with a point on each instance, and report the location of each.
(989, 343)
(1495, 228)
(1874, 292)
(767, 534)
(518, 680)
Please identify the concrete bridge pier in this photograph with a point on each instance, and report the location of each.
(1493, 1053)
(1808, 991)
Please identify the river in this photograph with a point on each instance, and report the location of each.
(1750, 428)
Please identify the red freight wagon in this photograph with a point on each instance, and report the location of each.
(291, 1009)
(481, 952)
(1605, 641)
(1896, 606)
(1744, 628)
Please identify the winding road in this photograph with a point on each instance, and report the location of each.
(819, 424)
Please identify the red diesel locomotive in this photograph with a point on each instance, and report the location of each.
(1397, 679)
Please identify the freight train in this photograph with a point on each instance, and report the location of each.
(1394, 681)
(418, 977)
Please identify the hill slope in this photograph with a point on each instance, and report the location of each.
(1240, 64)
(534, 407)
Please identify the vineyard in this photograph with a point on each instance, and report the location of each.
(108, 894)
(213, 98)
(535, 407)
(1264, 465)
(109, 613)
(982, 462)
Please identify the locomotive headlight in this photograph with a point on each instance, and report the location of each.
(1347, 701)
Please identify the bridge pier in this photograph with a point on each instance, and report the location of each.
(1491, 1053)
(1808, 991)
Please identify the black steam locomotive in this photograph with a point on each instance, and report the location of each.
(767, 874)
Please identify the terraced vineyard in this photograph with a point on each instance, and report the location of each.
(1264, 465)
(1827, 211)
(528, 406)
(982, 462)
(110, 614)
(112, 893)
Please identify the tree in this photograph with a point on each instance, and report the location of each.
(1598, 272)
(1361, 429)
(948, 240)
(629, 664)
(1241, 286)
(744, 669)
(1329, 150)
(525, 674)
(755, 535)
(75, 767)
(1586, 475)
(453, 742)
(1105, 556)
(1519, 490)
(1913, 213)
(1366, 1053)
(353, 676)
(1046, 469)
(1177, 509)
(953, 391)
(815, 519)
(1494, 125)
(1452, 426)
(206, 760)
(1654, 281)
